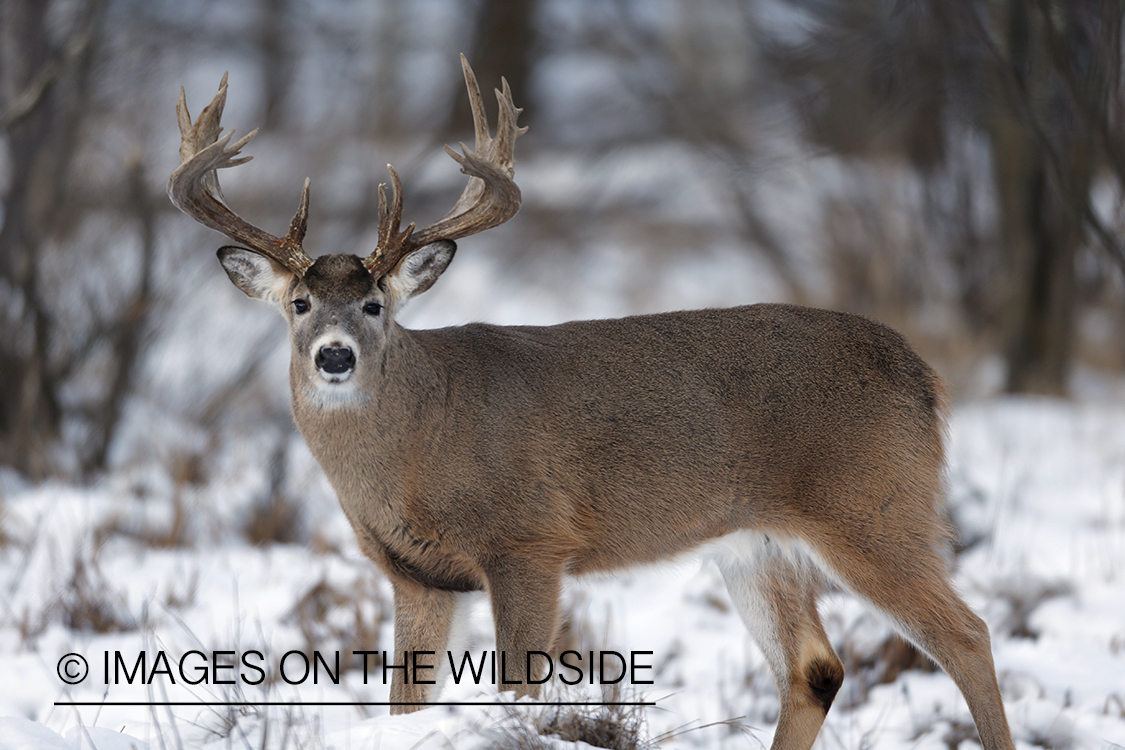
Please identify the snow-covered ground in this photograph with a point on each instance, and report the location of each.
(1038, 492)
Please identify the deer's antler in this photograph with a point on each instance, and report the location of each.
(491, 197)
(194, 187)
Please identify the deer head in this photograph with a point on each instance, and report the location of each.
(340, 308)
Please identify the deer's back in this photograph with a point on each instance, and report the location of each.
(688, 424)
(792, 366)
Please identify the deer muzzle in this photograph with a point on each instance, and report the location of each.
(335, 362)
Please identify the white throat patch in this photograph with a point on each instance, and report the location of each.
(324, 395)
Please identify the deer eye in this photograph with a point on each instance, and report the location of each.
(300, 306)
(373, 308)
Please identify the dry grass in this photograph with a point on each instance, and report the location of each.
(618, 727)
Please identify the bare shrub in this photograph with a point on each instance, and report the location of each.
(328, 614)
(86, 603)
(174, 535)
(275, 518)
(89, 604)
(869, 663)
(1018, 596)
(181, 600)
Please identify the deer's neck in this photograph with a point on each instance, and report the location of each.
(367, 444)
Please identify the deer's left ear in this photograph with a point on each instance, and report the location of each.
(418, 271)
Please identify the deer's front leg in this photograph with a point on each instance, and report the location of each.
(525, 600)
(423, 617)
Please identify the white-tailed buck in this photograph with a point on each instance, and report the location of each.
(800, 447)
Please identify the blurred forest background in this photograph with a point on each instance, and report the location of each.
(952, 167)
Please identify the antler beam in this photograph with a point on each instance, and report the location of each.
(194, 187)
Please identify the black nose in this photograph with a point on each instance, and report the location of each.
(335, 359)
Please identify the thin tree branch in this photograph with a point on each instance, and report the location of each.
(1017, 95)
(41, 84)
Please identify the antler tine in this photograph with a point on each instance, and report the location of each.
(481, 138)
(506, 129)
(194, 187)
(490, 198)
(391, 241)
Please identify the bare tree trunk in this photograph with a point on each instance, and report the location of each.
(29, 413)
(277, 65)
(42, 95)
(1044, 160)
(1042, 303)
(378, 113)
(505, 37)
(127, 332)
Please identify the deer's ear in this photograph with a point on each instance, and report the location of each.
(254, 274)
(418, 271)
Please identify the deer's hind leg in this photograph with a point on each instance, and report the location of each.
(907, 581)
(775, 590)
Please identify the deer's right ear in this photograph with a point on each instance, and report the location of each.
(254, 274)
